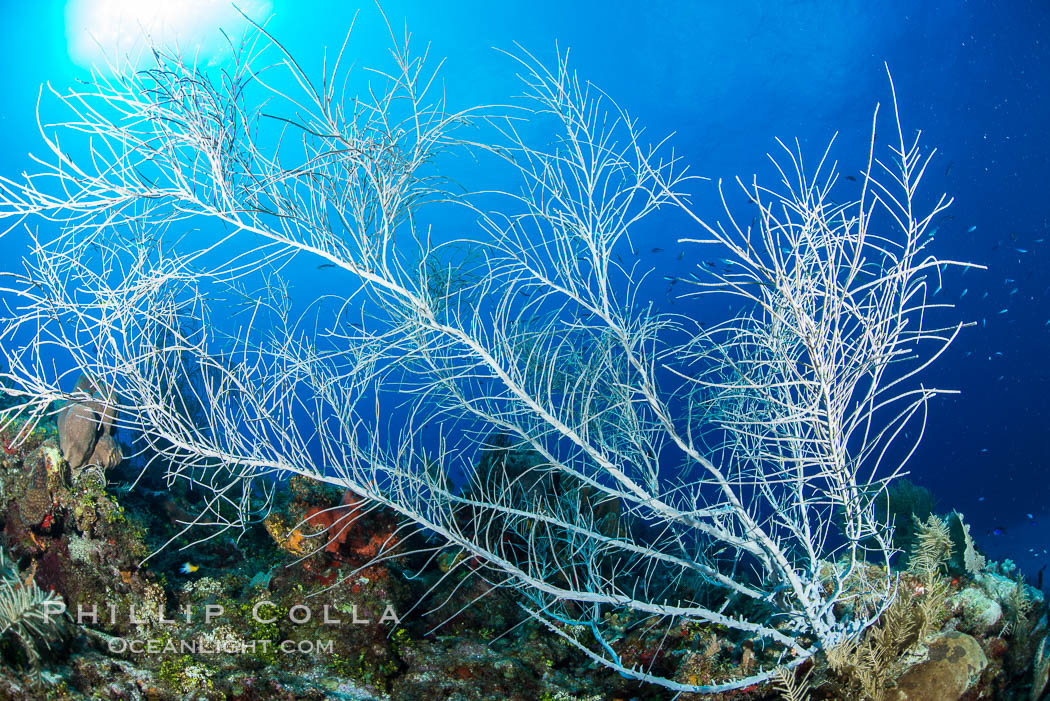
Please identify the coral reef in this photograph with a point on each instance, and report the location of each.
(950, 633)
(308, 614)
(299, 607)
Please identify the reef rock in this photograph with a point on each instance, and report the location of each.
(954, 662)
(1002, 587)
(978, 610)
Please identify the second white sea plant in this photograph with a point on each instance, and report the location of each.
(741, 460)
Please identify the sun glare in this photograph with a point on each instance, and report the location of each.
(98, 31)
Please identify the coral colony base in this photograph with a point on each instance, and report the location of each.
(492, 460)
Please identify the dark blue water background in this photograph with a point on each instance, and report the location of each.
(727, 78)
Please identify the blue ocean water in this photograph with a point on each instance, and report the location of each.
(725, 79)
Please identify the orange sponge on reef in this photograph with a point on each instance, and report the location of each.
(337, 521)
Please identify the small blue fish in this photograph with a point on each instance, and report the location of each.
(973, 228)
(188, 568)
(964, 293)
